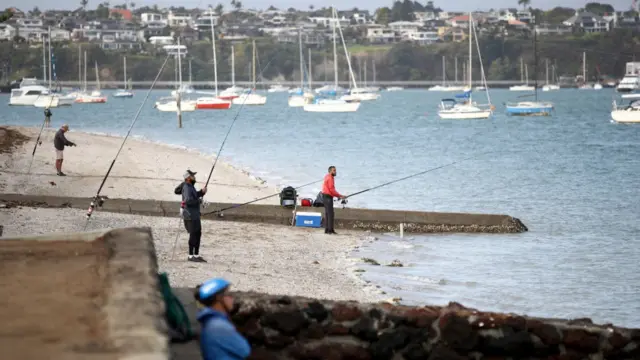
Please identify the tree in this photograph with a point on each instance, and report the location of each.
(271, 8)
(238, 5)
(311, 7)
(599, 9)
(383, 15)
(84, 3)
(219, 9)
(6, 15)
(35, 11)
(557, 15)
(524, 3)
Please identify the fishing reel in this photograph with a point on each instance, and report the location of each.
(344, 203)
(97, 201)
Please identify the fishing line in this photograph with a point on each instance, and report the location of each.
(96, 199)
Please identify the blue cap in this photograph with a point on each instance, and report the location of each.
(212, 287)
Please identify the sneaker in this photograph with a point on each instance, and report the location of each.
(60, 173)
(192, 258)
(333, 232)
(199, 258)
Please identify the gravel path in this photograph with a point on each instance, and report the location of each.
(255, 257)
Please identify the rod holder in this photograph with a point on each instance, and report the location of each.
(401, 230)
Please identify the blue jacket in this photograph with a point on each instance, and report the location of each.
(191, 198)
(219, 339)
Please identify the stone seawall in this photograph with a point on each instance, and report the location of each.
(287, 328)
(357, 219)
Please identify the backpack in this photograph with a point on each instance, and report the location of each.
(319, 201)
(175, 314)
(288, 196)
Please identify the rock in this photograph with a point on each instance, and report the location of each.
(415, 352)
(359, 270)
(328, 351)
(258, 353)
(337, 329)
(456, 332)
(514, 344)
(422, 317)
(287, 322)
(343, 312)
(284, 300)
(395, 263)
(370, 261)
(617, 341)
(315, 310)
(390, 341)
(441, 352)
(314, 331)
(581, 340)
(375, 314)
(278, 341)
(252, 330)
(365, 329)
(549, 334)
(580, 321)
(518, 323)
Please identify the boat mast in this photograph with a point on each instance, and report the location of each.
(79, 66)
(444, 71)
(455, 71)
(233, 66)
(179, 92)
(125, 72)
(546, 66)
(526, 74)
(373, 63)
(365, 72)
(310, 67)
(335, 53)
(50, 71)
(535, 60)
(253, 66)
(44, 61)
(522, 70)
(97, 76)
(584, 67)
(213, 45)
(344, 45)
(301, 57)
(470, 54)
(85, 72)
(190, 76)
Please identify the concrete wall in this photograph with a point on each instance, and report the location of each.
(361, 219)
(135, 308)
(286, 328)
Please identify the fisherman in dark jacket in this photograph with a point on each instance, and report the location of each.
(59, 142)
(190, 211)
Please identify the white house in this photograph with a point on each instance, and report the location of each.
(179, 20)
(588, 22)
(422, 37)
(327, 21)
(146, 18)
(380, 34)
(161, 40)
(173, 49)
(7, 32)
(404, 26)
(30, 23)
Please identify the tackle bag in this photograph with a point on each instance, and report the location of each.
(177, 319)
(319, 201)
(306, 202)
(288, 197)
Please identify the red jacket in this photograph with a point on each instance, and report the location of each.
(329, 187)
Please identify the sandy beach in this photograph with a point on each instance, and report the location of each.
(143, 170)
(255, 257)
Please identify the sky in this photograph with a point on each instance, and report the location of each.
(460, 5)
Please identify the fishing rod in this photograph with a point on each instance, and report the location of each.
(35, 146)
(97, 200)
(344, 200)
(220, 211)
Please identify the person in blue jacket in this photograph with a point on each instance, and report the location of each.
(219, 339)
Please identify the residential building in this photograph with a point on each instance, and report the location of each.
(179, 20)
(451, 34)
(121, 45)
(461, 21)
(203, 23)
(146, 18)
(588, 22)
(326, 21)
(120, 14)
(173, 49)
(404, 26)
(161, 40)
(7, 32)
(308, 38)
(547, 29)
(30, 22)
(423, 37)
(381, 35)
(425, 16)
(17, 13)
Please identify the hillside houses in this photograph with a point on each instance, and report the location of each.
(126, 30)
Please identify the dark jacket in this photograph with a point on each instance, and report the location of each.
(219, 339)
(60, 141)
(191, 200)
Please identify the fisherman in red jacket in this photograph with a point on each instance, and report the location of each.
(328, 193)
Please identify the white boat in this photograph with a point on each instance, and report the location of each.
(250, 98)
(585, 85)
(360, 94)
(54, 101)
(95, 96)
(278, 88)
(331, 105)
(524, 77)
(597, 86)
(395, 88)
(28, 95)
(124, 92)
(629, 113)
(301, 96)
(521, 88)
(631, 80)
(330, 90)
(550, 86)
(467, 109)
(170, 104)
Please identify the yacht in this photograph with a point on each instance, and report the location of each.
(631, 80)
(278, 88)
(27, 95)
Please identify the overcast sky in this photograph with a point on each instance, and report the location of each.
(460, 5)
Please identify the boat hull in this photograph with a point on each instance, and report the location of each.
(91, 100)
(212, 104)
(123, 95)
(464, 115)
(530, 109)
(172, 106)
(299, 101)
(332, 107)
(522, 88)
(361, 97)
(550, 88)
(626, 116)
(250, 99)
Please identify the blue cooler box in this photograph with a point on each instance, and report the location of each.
(308, 219)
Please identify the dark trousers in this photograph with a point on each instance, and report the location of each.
(328, 212)
(194, 228)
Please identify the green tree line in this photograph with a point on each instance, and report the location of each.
(606, 52)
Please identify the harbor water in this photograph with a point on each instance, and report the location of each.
(572, 178)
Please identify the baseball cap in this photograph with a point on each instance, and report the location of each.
(188, 173)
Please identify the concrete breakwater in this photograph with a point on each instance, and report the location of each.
(357, 219)
(299, 328)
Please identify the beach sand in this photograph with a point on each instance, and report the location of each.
(143, 170)
(272, 259)
(255, 257)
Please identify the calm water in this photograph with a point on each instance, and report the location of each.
(572, 178)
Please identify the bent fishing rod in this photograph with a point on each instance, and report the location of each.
(97, 200)
(344, 200)
(220, 211)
